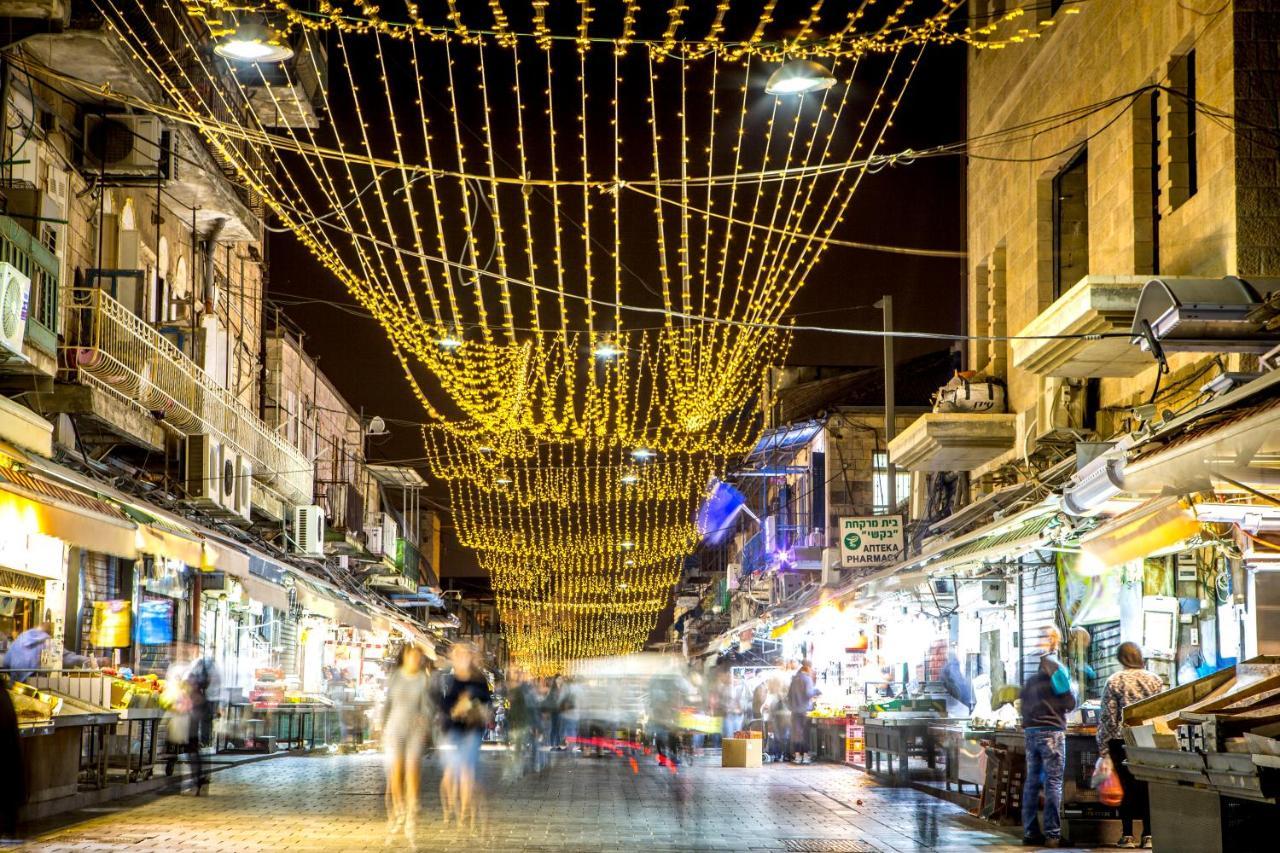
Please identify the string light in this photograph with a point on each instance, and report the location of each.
(575, 460)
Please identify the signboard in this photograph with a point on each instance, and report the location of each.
(870, 541)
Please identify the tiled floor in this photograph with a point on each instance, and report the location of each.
(330, 803)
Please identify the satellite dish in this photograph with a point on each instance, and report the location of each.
(377, 426)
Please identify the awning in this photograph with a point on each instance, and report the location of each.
(348, 615)
(29, 504)
(316, 602)
(1144, 531)
(1241, 445)
(790, 437)
(265, 592)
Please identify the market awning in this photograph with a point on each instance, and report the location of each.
(265, 592)
(1144, 531)
(790, 437)
(348, 615)
(1229, 447)
(32, 504)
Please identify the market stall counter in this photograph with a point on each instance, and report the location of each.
(63, 741)
(1210, 751)
(132, 744)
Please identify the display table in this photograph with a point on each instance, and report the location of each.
(962, 751)
(896, 740)
(829, 735)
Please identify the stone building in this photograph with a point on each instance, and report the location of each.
(1132, 162)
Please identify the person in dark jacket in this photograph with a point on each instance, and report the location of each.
(1047, 697)
(13, 778)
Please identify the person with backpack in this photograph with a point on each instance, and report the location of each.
(464, 716)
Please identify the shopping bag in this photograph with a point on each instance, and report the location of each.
(1107, 783)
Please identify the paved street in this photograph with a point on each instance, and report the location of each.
(326, 803)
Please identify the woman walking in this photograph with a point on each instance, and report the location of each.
(1132, 684)
(405, 719)
(464, 716)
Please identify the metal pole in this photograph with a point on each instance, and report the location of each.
(885, 304)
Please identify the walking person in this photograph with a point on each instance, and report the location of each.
(731, 702)
(800, 698)
(775, 706)
(464, 707)
(1132, 684)
(1047, 697)
(406, 717)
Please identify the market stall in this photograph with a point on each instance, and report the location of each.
(1209, 751)
(64, 741)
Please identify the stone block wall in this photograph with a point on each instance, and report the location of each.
(1229, 225)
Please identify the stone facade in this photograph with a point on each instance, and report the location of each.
(1170, 190)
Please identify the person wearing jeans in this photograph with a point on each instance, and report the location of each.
(1046, 698)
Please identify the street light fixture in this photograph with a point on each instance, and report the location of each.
(606, 349)
(799, 77)
(254, 41)
(642, 454)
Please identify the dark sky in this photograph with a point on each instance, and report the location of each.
(917, 205)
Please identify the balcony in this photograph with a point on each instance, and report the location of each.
(291, 93)
(89, 50)
(141, 383)
(953, 441)
(1096, 305)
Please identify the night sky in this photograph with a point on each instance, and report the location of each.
(918, 205)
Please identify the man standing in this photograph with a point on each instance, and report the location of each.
(800, 700)
(1046, 698)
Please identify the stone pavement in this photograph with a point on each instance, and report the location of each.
(332, 803)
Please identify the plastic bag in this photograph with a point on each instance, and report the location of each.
(1107, 783)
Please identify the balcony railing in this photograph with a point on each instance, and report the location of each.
(111, 348)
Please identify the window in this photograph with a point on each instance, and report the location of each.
(1180, 173)
(1071, 223)
(880, 484)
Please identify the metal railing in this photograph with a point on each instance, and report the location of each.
(112, 348)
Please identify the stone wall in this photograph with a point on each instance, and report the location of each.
(1108, 50)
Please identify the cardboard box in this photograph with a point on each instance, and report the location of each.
(742, 752)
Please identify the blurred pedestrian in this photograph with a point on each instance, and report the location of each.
(24, 653)
(779, 720)
(464, 707)
(554, 712)
(13, 778)
(800, 698)
(1131, 684)
(520, 713)
(1047, 697)
(731, 702)
(405, 721)
(568, 713)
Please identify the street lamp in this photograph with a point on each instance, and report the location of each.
(606, 349)
(642, 454)
(799, 77)
(254, 41)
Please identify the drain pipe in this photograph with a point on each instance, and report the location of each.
(207, 244)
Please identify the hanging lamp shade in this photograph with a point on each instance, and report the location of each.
(799, 77)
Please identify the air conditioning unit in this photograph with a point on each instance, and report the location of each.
(15, 299)
(125, 145)
(308, 530)
(382, 531)
(204, 470)
(243, 505)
